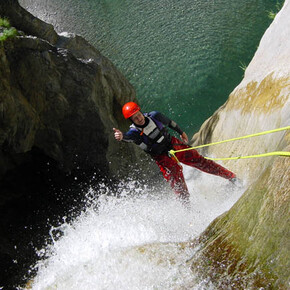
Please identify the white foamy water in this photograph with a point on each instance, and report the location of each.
(134, 242)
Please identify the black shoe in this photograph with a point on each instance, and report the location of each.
(237, 182)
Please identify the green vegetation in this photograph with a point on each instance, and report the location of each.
(272, 14)
(6, 31)
(4, 22)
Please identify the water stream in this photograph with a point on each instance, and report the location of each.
(133, 241)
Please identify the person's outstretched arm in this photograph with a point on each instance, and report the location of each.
(128, 137)
(171, 124)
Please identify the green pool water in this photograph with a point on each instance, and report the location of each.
(183, 57)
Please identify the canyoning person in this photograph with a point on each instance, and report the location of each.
(149, 131)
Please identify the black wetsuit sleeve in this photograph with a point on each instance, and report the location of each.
(166, 121)
(131, 136)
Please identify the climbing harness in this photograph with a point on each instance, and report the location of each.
(277, 153)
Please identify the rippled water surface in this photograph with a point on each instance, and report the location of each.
(183, 57)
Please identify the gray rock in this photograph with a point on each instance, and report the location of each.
(60, 95)
(25, 21)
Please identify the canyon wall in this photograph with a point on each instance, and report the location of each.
(248, 246)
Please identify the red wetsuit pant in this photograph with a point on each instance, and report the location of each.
(172, 171)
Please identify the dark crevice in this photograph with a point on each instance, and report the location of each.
(34, 196)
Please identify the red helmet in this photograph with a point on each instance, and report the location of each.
(129, 109)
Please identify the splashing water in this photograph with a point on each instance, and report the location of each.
(133, 242)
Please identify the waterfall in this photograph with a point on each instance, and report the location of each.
(133, 241)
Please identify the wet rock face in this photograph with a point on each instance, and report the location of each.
(61, 97)
(50, 106)
(248, 246)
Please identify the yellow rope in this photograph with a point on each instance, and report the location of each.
(279, 153)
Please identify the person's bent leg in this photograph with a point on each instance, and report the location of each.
(194, 159)
(177, 182)
(172, 172)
